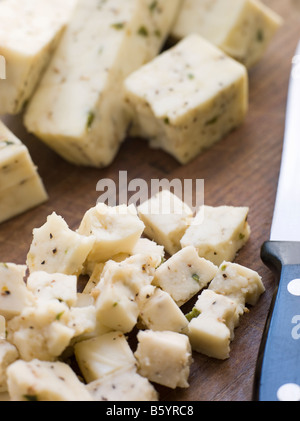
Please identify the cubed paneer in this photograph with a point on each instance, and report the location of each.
(239, 283)
(122, 385)
(89, 66)
(41, 330)
(29, 33)
(116, 230)
(187, 98)
(55, 248)
(166, 218)
(21, 187)
(212, 330)
(184, 275)
(218, 233)
(14, 296)
(44, 381)
(148, 247)
(8, 355)
(103, 355)
(53, 286)
(158, 311)
(164, 357)
(244, 33)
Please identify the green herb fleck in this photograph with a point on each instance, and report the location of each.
(192, 314)
(153, 6)
(143, 31)
(90, 120)
(166, 120)
(5, 265)
(8, 142)
(115, 304)
(157, 33)
(191, 76)
(223, 267)
(31, 398)
(260, 35)
(196, 277)
(118, 25)
(241, 236)
(212, 121)
(59, 315)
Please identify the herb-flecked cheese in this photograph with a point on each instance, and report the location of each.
(244, 33)
(187, 98)
(79, 109)
(29, 33)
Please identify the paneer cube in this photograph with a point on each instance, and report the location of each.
(218, 233)
(14, 296)
(164, 357)
(29, 33)
(166, 218)
(158, 311)
(116, 230)
(122, 385)
(184, 275)
(55, 248)
(148, 247)
(8, 354)
(44, 381)
(187, 98)
(244, 33)
(53, 286)
(90, 65)
(239, 283)
(211, 332)
(21, 187)
(103, 355)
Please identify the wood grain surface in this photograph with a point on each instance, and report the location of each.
(241, 170)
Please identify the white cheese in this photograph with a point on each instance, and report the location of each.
(55, 248)
(115, 229)
(244, 33)
(166, 218)
(158, 311)
(239, 283)
(8, 354)
(79, 108)
(211, 332)
(164, 357)
(122, 385)
(21, 187)
(187, 98)
(218, 233)
(14, 296)
(2, 327)
(29, 33)
(184, 275)
(103, 355)
(43, 381)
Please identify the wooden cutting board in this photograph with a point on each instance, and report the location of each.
(241, 170)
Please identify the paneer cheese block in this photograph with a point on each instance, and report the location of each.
(103, 355)
(211, 332)
(2, 327)
(43, 381)
(218, 233)
(122, 385)
(166, 218)
(78, 108)
(244, 33)
(187, 98)
(164, 357)
(8, 355)
(21, 187)
(241, 284)
(14, 296)
(115, 229)
(184, 275)
(55, 248)
(41, 330)
(29, 33)
(158, 311)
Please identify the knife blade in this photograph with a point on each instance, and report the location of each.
(277, 376)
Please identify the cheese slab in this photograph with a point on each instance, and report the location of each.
(21, 187)
(79, 109)
(29, 33)
(187, 98)
(244, 33)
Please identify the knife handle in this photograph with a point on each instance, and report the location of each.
(277, 376)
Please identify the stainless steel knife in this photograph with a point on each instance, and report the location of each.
(277, 375)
